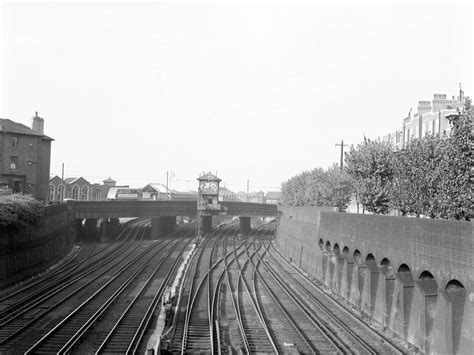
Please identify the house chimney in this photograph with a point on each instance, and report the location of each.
(37, 124)
(423, 107)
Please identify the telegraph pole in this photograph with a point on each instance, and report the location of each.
(62, 184)
(248, 183)
(342, 145)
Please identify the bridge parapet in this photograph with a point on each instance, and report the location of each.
(249, 209)
(155, 209)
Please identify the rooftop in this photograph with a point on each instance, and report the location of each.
(209, 177)
(7, 125)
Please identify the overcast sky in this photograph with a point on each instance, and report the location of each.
(252, 91)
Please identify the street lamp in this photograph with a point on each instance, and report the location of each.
(29, 184)
(169, 176)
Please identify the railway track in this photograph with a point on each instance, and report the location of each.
(243, 300)
(59, 322)
(357, 334)
(258, 338)
(20, 298)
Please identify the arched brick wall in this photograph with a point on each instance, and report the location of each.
(393, 291)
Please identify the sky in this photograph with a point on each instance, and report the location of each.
(252, 91)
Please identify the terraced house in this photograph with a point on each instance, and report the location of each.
(431, 117)
(25, 156)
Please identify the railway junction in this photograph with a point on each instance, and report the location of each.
(241, 278)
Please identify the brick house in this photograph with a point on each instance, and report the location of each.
(25, 158)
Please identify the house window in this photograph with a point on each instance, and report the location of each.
(13, 163)
(85, 192)
(60, 192)
(75, 192)
(14, 142)
(51, 192)
(97, 195)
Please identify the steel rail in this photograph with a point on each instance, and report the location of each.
(216, 299)
(120, 272)
(18, 329)
(146, 318)
(192, 300)
(61, 269)
(319, 325)
(33, 301)
(362, 342)
(242, 280)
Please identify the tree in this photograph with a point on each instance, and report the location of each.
(318, 187)
(432, 175)
(455, 191)
(415, 184)
(370, 165)
(337, 188)
(19, 211)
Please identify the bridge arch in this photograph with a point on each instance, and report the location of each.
(345, 252)
(429, 288)
(339, 268)
(456, 295)
(388, 280)
(328, 246)
(405, 296)
(370, 284)
(321, 243)
(357, 256)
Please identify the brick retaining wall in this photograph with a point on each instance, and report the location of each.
(29, 252)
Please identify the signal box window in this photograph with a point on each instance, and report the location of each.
(13, 163)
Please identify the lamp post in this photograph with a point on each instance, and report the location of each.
(169, 176)
(35, 184)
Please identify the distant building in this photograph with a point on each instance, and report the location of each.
(226, 195)
(430, 118)
(25, 158)
(78, 189)
(155, 191)
(124, 193)
(273, 197)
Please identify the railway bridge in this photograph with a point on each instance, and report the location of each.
(162, 213)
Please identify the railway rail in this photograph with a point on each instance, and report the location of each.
(110, 286)
(238, 294)
(244, 300)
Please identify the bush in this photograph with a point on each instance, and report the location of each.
(19, 211)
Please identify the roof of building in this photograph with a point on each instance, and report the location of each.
(208, 177)
(157, 187)
(72, 180)
(109, 180)
(274, 195)
(225, 191)
(7, 125)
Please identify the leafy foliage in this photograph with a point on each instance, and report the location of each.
(19, 211)
(370, 165)
(331, 187)
(431, 177)
(416, 182)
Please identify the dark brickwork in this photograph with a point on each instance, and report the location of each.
(445, 248)
(414, 276)
(27, 253)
